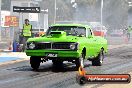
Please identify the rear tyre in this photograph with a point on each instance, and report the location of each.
(80, 61)
(99, 59)
(35, 62)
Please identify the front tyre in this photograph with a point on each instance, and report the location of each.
(35, 62)
(99, 59)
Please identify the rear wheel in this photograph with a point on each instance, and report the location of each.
(80, 61)
(99, 59)
(35, 62)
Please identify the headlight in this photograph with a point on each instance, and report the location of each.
(73, 46)
(31, 45)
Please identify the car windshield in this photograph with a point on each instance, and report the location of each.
(70, 30)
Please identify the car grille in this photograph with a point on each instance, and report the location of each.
(61, 46)
(52, 45)
(43, 46)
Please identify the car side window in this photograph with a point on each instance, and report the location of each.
(89, 32)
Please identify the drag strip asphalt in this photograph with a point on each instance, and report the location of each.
(21, 75)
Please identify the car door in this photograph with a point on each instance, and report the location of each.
(91, 43)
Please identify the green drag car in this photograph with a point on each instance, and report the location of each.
(67, 42)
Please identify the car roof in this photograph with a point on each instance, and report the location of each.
(78, 25)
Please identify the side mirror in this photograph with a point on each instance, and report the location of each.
(81, 35)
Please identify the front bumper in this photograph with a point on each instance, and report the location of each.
(60, 53)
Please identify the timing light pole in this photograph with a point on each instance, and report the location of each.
(55, 13)
(101, 16)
